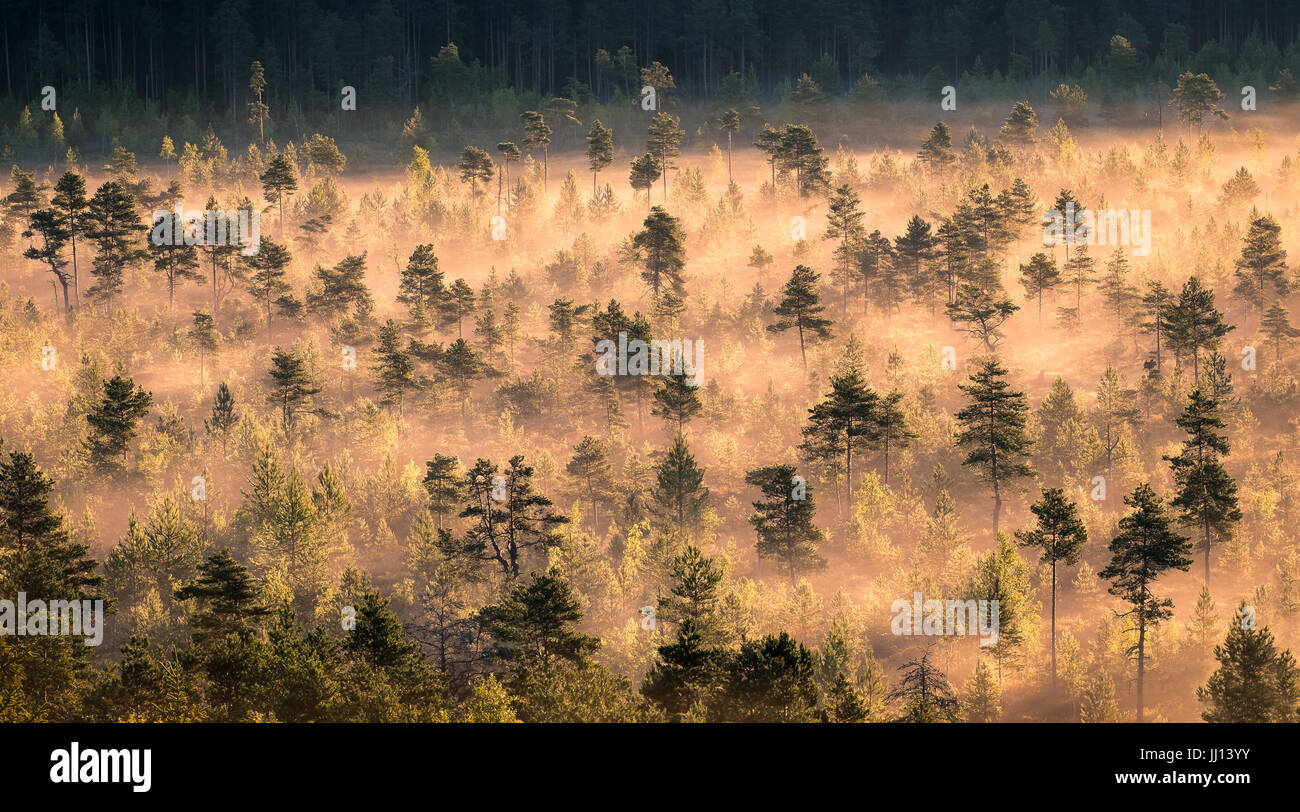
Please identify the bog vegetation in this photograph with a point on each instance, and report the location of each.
(386, 466)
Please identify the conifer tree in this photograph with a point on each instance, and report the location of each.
(847, 418)
(729, 123)
(442, 481)
(394, 369)
(661, 246)
(175, 263)
(510, 519)
(537, 133)
(267, 282)
(686, 675)
(1059, 535)
(783, 520)
(600, 150)
(1144, 548)
(279, 181)
(694, 596)
(293, 386)
(993, 429)
(70, 201)
(679, 489)
(1040, 275)
(1262, 263)
(677, 400)
(115, 227)
(590, 466)
(936, 151)
(227, 599)
(114, 421)
(983, 312)
(204, 336)
(983, 702)
(1207, 496)
(54, 238)
(801, 308)
(223, 415)
(924, 694)
(1254, 682)
(1115, 408)
(1195, 324)
(844, 223)
(1278, 328)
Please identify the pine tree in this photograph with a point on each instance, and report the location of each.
(1143, 549)
(1115, 409)
(802, 309)
(258, 112)
(1021, 125)
(677, 399)
(1207, 495)
(645, 171)
(891, 427)
(770, 680)
(1195, 324)
(175, 263)
(37, 557)
(1079, 271)
(223, 415)
(1254, 682)
(293, 386)
(70, 201)
(847, 418)
(1039, 276)
(1003, 576)
(590, 466)
(538, 620)
(54, 237)
(679, 490)
(799, 153)
(983, 702)
(844, 223)
(1262, 263)
(983, 313)
(695, 595)
(924, 694)
(394, 369)
(936, 151)
(267, 282)
(1098, 706)
(462, 366)
(600, 150)
(729, 123)
(1156, 309)
(114, 421)
(115, 227)
(509, 518)
(458, 305)
(993, 428)
(537, 133)
(686, 675)
(278, 181)
(783, 520)
(661, 246)
(1204, 628)
(914, 249)
(442, 482)
(1277, 327)
(228, 600)
(1059, 536)
(204, 336)
(421, 288)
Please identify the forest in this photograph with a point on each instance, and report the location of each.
(863, 362)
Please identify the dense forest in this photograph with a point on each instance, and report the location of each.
(829, 321)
